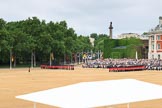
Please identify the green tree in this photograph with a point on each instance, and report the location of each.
(32, 27)
(6, 43)
(94, 35)
(99, 42)
(33, 39)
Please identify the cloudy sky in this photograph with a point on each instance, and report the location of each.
(88, 16)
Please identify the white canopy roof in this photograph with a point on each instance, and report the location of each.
(95, 94)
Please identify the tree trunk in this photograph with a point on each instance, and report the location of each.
(71, 59)
(10, 58)
(64, 59)
(32, 59)
(14, 61)
(50, 60)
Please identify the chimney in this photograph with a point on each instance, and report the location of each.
(160, 21)
(110, 30)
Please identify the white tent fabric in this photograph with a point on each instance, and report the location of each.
(95, 94)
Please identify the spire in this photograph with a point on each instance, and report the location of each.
(110, 30)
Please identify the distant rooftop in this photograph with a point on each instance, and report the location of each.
(128, 35)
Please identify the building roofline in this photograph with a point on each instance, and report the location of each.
(155, 32)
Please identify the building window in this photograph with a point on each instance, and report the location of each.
(158, 46)
(152, 37)
(152, 46)
(159, 56)
(158, 37)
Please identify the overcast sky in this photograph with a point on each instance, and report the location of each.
(88, 16)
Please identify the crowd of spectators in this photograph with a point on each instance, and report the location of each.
(150, 64)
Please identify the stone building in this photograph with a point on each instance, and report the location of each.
(155, 41)
(92, 41)
(128, 35)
